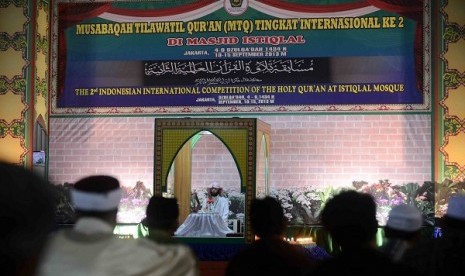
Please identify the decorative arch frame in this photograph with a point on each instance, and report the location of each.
(239, 135)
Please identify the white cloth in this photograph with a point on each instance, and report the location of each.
(92, 249)
(203, 225)
(220, 205)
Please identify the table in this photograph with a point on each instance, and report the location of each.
(203, 225)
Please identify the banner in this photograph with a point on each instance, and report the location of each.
(239, 56)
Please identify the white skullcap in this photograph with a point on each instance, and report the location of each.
(405, 218)
(456, 208)
(98, 193)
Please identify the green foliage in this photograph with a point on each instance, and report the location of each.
(444, 191)
(422, 197)
(236, 204)
(411, 192)
(424, 201)
(64, 211)
(303, 206)
(325, 195)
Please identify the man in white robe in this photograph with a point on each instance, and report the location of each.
(215, 202)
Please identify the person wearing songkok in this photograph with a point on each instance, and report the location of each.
(402, 230)
(90, 248)
(444, 255)
(269, 254)
(215, 202)
(350, 219)
(26, 216)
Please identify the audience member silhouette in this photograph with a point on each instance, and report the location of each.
(269, 254)
(350, 219)
(27, 217)
(402, 230)
(162, 219)
(90, 248)
(446, 254)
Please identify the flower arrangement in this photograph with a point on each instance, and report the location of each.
(236, 204)
(385, 196)
(422, 197)
(132, 206)
(133, 203)
(303, 205)
(132, 210)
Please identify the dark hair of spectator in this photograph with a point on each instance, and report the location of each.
(404, 235)
(350, 217)
(27, 217)
(162, 213)
(97, 184)
(453, 223)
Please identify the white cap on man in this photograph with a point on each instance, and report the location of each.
(216, 185)
(98, 193)
(456, 208)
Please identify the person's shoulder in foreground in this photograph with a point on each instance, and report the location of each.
(443, 255)
(270, 257)
(350, 218)
(114, 256)
(27, 217)
(90, 248)
(269, 254)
